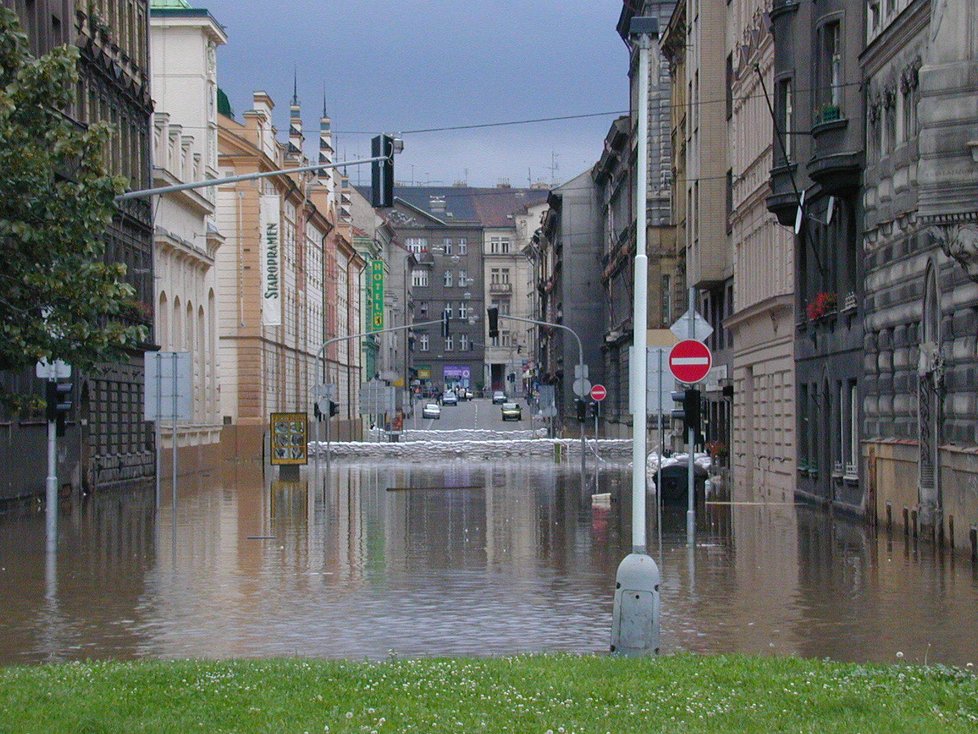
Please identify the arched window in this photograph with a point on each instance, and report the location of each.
(176, 340)
(163, 326)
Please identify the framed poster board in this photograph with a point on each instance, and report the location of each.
(289, 434)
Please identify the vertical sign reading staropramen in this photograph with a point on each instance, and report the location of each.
(269, 221)
(376, 295)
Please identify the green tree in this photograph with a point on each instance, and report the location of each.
(59, 299)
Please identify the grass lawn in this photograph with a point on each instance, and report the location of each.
(533, 693)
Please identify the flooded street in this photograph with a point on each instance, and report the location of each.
(458, 557)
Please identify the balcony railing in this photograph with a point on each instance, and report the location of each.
(500, 287)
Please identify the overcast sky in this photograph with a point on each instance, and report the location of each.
(401, 65)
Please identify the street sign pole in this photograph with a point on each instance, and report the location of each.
(662, 450)
(51, 486)
(158, 428)
(173, 479)
(690, 488)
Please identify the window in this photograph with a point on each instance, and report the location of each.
(852, 468)
(729, 201)
(463, 277)
(830, 70)
(449, 310)
(786, 116)
(447, 278)
(446, 245)
(498, 245)
(463, 246)
(449, 343)
(464, 344)
(463, 310)
(844, 428)
(419, 278)
(667, 300)
(417, 245)
(502, 305)
(730, 81)
(423, 308)
(803, 429)
(423, 342)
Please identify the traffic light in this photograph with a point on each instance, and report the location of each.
(581, 410)
(382, 172)
(58, 404)
(334, 408)
(493, 322)
(444, 323)
(689, 414)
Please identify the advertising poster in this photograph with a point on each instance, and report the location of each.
(270, 223)
(289, 438)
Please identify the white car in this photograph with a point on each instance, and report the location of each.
(431, 410)
(449, 398)
(498, 397)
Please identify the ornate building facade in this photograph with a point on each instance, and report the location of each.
(186, 241)
(815, 188)
(762, 450)
(114, 443)
(921, 245)
(288, 279)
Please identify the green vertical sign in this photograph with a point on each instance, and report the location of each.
(376, 295)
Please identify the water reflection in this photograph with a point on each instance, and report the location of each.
(458, 558)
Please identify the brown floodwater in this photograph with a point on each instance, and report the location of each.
(461, 558)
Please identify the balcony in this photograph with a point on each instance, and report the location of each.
(837, 158)
(500, 287)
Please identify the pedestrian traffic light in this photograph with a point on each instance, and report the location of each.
(689, 414)
(581, 410)
(493, 322)
(382, 172)
(334, 408)
(444, 323)
(58, 404)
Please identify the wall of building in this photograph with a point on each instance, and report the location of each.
(762, 453)
(184, 82)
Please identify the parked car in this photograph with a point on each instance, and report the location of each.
(498, 397)
(512, 412)
(449, 398)
(431, 410)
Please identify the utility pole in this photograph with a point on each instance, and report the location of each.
(636, 607)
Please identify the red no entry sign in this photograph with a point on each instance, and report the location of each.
(690, 361)
(598, 393)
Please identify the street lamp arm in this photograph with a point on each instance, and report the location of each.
(145, 193)
(321, 355)
(580, 361)
(580, 349)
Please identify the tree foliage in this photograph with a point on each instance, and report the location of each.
(59, 299)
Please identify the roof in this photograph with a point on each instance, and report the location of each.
(488, 207)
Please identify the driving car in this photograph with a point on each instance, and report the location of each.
(431, 410)
(498, 397)
(468, 394)
(449, 398)
(512, 411)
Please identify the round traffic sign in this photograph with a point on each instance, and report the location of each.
(690, 361)
(598, 393)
